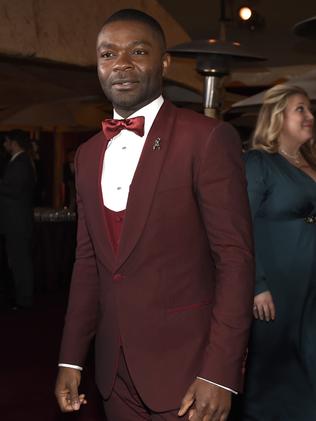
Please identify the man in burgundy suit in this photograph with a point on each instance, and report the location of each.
(164, 264)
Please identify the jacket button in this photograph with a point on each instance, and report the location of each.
(118, 277)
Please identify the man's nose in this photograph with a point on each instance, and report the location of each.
(123, 62)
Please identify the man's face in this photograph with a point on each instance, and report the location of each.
(131, 64)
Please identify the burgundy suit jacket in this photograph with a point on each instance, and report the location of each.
(178, 294)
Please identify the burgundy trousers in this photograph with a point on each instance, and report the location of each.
(125, 404)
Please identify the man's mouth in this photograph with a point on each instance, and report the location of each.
(124, 83)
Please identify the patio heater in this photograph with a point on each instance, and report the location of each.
(214, 59)
(306, 28)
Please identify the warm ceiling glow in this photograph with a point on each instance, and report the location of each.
(245, 13)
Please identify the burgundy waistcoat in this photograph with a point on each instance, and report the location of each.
(114, 221)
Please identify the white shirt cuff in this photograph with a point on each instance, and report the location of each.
(219, 385)
(77, 367)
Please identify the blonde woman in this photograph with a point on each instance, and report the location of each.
(281, 173)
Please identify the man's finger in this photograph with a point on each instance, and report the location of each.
(266, 310)
(204, 416)
(82, 399)
(224, 416)
(272, 311)
(65, 405)
(261, 312)
(186, 403)
(63, 401)
(191, 414)
(74, 398)
(194, 416)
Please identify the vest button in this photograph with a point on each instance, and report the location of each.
(118, 277)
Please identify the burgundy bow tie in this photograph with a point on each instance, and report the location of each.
(112, 127)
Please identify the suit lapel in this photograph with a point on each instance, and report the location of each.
(145, 180)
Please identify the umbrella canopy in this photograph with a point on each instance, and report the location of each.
(307, 82)
(71, 114)
(244, 113)
(306, 28)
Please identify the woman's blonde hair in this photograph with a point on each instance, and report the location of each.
(270, 121)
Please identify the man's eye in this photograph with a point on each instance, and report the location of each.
(107, 54)
(139, 52)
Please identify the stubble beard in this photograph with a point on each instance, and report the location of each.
(129, 101)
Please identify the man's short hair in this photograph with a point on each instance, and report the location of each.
(20, 137)
(139, 16)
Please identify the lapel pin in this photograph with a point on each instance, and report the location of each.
(156, 145)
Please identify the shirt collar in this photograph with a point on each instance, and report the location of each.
(15, 155)
(149, 111)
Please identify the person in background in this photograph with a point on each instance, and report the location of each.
(3, 259)
(69, 180)
(3, 155)
(39, 196)
(281, 173)
(163, 277)
(16, 215)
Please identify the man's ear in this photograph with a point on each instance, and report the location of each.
(166, 60)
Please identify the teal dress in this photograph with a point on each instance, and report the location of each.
(281, 367)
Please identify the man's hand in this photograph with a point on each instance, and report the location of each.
(263, 306)
(66, 389)
(206, 402)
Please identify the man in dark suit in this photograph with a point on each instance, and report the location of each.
(16, 195)
(163, 277)
(3, 259)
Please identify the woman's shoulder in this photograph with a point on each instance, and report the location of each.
(258, 157)
(259, 162)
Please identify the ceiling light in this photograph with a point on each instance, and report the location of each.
(250, 18)
(245, 13)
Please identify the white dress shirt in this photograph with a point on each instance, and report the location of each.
(119, 165)
(122, 156)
